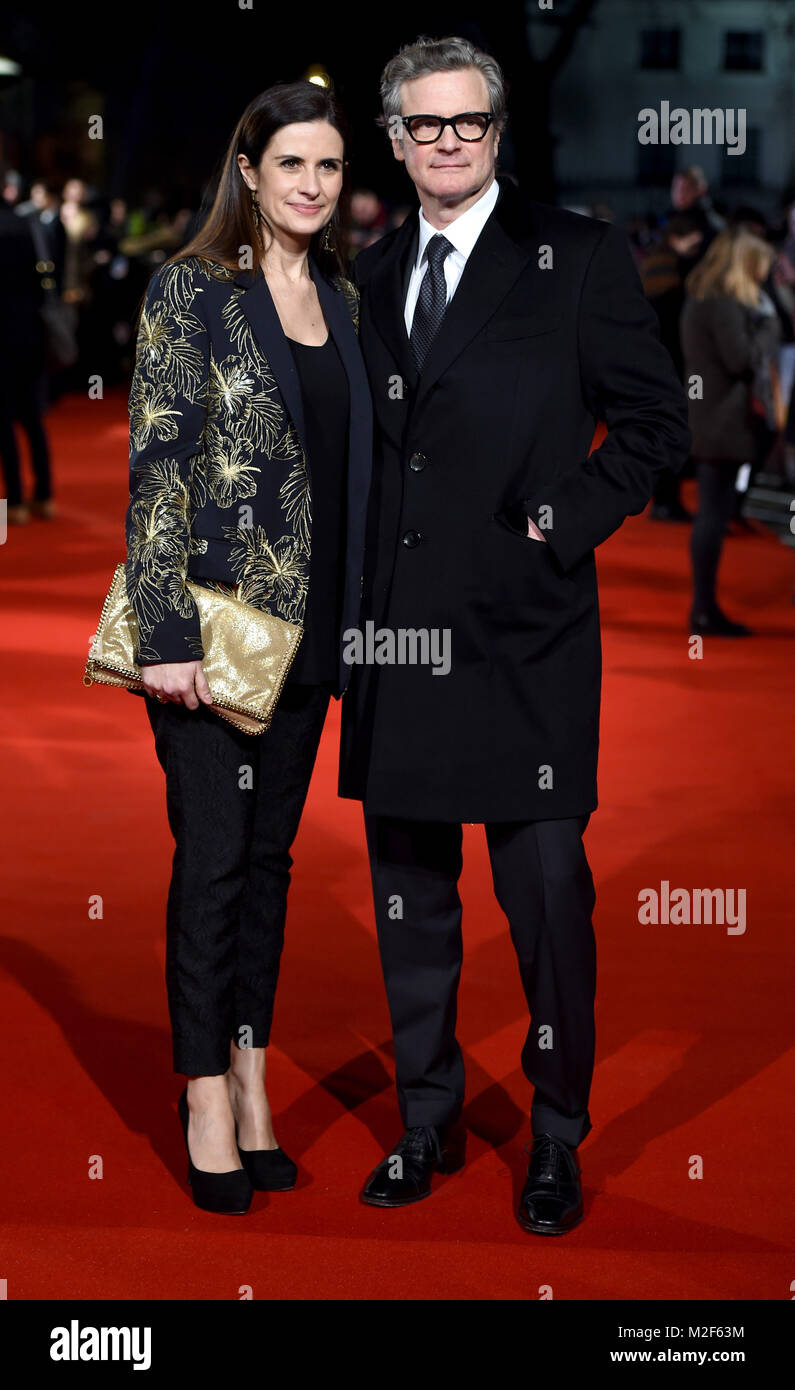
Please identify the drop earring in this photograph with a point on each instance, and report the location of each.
(327, 242)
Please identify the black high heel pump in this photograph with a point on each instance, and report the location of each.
(228, 1193)
(269, 1170)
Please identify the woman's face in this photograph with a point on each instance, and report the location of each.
(299, 178)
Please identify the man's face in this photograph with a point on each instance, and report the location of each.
(450, 169)
(684, 192)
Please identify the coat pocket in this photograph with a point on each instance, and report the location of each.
(529, 326)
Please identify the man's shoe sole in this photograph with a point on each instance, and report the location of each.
(390, 1202)
(445, 1169)
(544, 1230)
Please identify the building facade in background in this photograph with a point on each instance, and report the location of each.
(694, 54)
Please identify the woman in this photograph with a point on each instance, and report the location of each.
(23, 377)
(250, 429)
(730, 331)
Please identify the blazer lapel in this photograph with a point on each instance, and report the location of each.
(260, 310)
(338, 318)
(343, 332)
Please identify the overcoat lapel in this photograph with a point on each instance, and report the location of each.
(494, 265)
(386, 294)
(500, 254)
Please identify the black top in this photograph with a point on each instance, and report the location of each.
(324, 387)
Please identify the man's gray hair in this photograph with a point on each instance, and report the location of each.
(424, 56)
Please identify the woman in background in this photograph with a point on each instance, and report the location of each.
(730, 331)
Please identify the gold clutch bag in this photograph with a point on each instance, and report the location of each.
(248, 653)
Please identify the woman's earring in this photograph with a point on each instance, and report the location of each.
(327, 241)
(255, 206)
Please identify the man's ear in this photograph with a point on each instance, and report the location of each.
(397, 150)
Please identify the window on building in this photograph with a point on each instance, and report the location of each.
(744, 50)
(743, 168)
(659, 48)
(656, 165)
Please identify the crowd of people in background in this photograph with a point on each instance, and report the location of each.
(74, 267)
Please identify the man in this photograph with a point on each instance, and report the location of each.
(663, 272)
(496, 332)
(44, 207)
(690, 194)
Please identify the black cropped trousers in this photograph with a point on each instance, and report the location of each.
(234, 805)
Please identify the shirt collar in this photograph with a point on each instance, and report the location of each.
(465, 230)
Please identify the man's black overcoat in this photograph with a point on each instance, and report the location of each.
(548, 332)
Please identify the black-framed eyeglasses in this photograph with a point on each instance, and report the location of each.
(469, 126)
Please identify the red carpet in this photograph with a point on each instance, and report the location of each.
(694, 1037)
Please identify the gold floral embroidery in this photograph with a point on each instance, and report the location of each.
(160, 349)
(231, 475)
(351, 299)
(207, 427)
(270, 574)
(152, 413)
(156, 546)
(231, 389)
(295, 497)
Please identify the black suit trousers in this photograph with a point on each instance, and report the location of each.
(544, 886)
(234, 805)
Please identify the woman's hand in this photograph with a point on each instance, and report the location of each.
(181, 682)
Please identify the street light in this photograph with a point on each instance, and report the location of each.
(317, 74)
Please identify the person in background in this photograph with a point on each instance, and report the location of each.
(368, 219)
(22, 376)
(690, 194)
(82, 228)
(730, 331)
(662, 274)
(12, 188)
(44, 205)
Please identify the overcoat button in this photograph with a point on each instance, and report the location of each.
(412, 538)
(417, 462)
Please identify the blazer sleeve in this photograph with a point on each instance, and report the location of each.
(167, 409)
(628, 381)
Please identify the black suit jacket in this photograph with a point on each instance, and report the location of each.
(548, 332)
(220, 481)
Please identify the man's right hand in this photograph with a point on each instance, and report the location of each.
(181, 682)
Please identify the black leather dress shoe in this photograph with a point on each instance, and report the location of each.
(405, 1174)
(552, 1198)
(714, 623)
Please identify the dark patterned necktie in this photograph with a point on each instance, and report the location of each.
(432, 300)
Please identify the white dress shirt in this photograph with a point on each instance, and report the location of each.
(462, 235)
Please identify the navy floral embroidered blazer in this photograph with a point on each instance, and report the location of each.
(220, 481)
